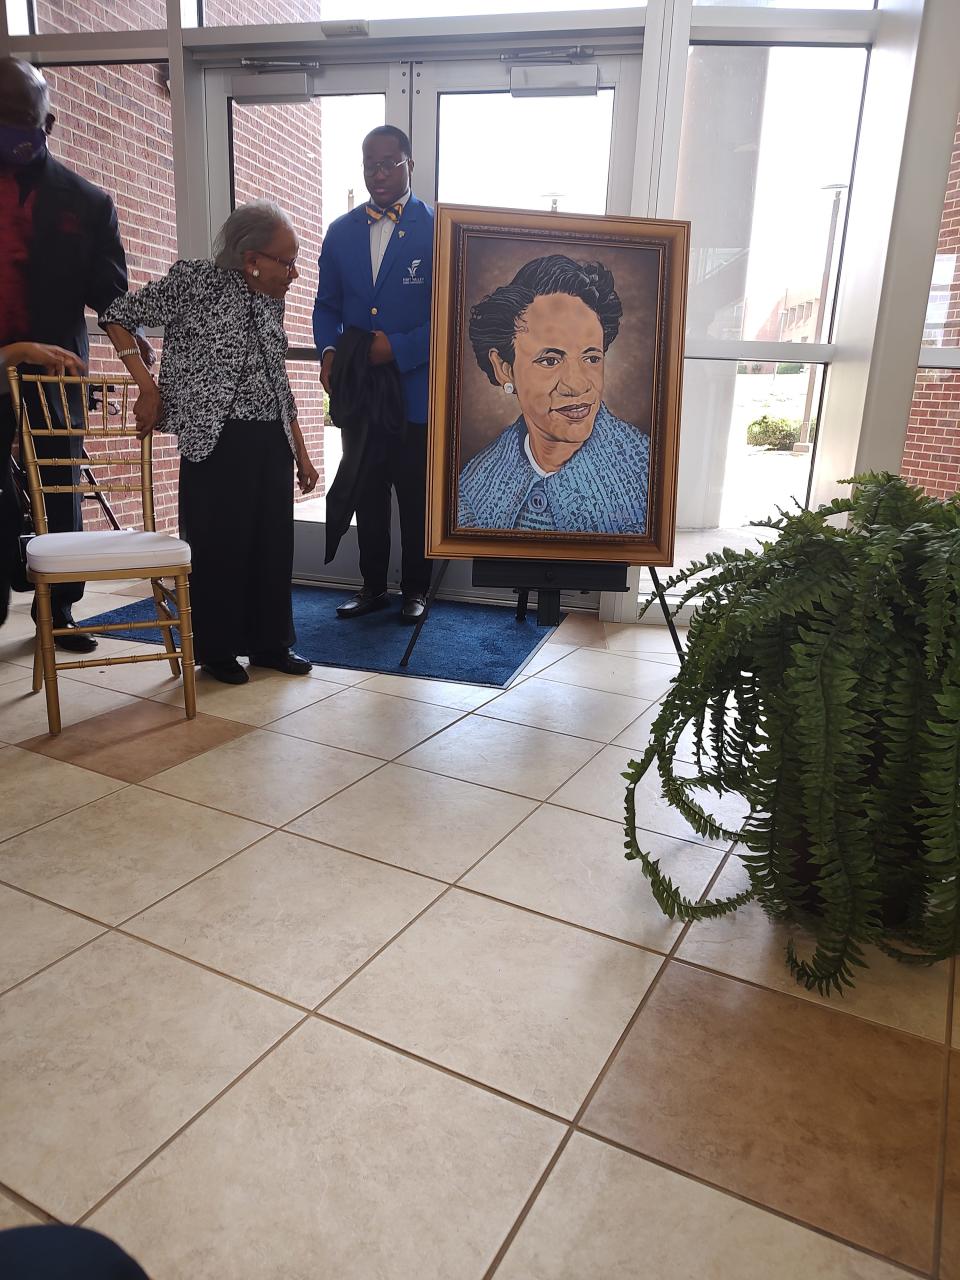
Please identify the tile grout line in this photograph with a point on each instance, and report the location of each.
(302, 1009)
(441, 1068)
(227, 813)
(581, 1111)
(88, 1213)
(572, 1126)
(674, 958)
(115, 924)
(84, 804)
(43, 968)
(543, 915)
(23, 1203)
(825, 1004)
(738, 1196)
(575, 1124)
(49, 902)
(944, 1135)
(381, 949)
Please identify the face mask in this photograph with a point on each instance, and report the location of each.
(20, 145)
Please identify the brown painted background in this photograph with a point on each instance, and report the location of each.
(485, 410)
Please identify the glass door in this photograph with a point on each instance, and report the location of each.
(526, 134)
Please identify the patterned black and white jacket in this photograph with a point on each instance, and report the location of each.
(219, 340)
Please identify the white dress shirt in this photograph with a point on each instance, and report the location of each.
(532, 460)
(380, 233)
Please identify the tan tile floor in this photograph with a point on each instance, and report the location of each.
(352, 981)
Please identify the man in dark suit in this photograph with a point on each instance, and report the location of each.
(60, 252)
(376, 272)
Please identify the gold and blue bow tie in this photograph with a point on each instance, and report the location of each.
(375, 213)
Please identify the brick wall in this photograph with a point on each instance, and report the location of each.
(114, 127)
(146, 15)
(100, 15)
(232, 13)
(277, 155)
(931, 455)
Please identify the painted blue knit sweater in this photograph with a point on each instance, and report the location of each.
(602, 489)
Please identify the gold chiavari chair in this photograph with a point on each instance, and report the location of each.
(43, 407)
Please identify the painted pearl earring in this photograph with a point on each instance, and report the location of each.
(255, 272)
(508, 388)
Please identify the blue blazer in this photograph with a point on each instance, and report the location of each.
(398, 304)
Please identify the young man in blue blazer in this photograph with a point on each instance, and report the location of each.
(376, 273)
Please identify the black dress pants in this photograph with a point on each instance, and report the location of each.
(236, 511)
(394, 461)
(63, 509)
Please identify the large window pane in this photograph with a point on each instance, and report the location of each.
(942, 326)
(244, 13)
(306, 157)
(114, 128)
(98, 15)
(371, 9)
(746, 447)
(765, 163)
(18, 17)
(322, 440)
(931, 455)
(537, 171)
(793, 4)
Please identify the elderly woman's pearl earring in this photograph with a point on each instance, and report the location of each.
(508, 388)
(255, 272)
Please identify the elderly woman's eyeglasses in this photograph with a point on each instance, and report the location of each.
(371, 169)
(290, 264)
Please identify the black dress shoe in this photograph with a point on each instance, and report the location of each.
(76, 643)
(226, 670)
(362, 603)
(291, 664)
(414, 607)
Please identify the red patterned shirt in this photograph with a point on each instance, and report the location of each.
(16, 234)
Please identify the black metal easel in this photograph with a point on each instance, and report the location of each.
(421, 621)
(548, 579)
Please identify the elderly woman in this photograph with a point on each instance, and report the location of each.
(224, 393)
(566, 464)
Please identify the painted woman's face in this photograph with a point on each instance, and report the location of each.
(558, 368)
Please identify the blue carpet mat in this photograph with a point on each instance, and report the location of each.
(470, 643)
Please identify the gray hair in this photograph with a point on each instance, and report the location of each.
(249, 229)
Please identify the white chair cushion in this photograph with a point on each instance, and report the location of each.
(111, 549)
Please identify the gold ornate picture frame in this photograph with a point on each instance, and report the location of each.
(555, 386)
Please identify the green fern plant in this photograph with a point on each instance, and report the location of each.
(822, 684)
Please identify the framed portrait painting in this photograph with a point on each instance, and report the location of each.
(556, 363)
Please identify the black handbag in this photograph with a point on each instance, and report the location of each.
(19, 580)
(22, 513)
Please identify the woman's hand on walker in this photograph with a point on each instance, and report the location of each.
(307, 475)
